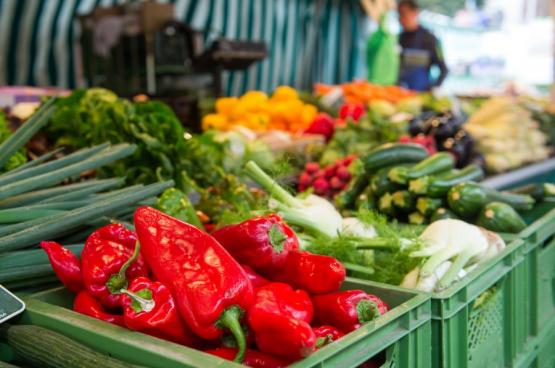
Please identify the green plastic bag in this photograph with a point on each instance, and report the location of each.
(382, 55)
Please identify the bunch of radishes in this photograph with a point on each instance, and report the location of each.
(326, 181)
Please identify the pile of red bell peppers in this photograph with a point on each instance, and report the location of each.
(245, 292)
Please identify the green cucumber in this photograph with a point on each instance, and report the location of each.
(44, 348)
(537, 191)
(381, 184)
(500, 217)
(467, 199)
(435, 164)
(427, 206)
(442, 214)
(404, 200)
(416, 218)
(347, 198)
(393, 154)
(436, 187)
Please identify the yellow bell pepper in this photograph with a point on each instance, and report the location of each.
(214, 121)
(285, 93)
(225, 105)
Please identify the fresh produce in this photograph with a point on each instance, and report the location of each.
(88, 305)
(506, 135)
(253, 358)
(500, 217)
(326, 181)
(467, 199)
(65, 264)
(360, 136)
(149, 307)
(363, 92)
(323, 124)
(426, 141)
(434, 164)
(18, 158)
(262, 242)
(175, 203)
(326, 334)
(428, 206)
(538, 191)
(443, 213)
(437, 186)
(41, 347)
(280, 319)
(284, 110)
(226, 290)
(314, 273)
(96, 115)
(446, 131)
(109, 260)
(347, 310)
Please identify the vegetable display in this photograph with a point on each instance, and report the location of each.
(203, 295)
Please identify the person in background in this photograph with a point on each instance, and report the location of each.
(420, 51)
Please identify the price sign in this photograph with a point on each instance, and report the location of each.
(10, 305)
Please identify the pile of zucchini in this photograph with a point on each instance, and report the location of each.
(35, 207)
(403, 182)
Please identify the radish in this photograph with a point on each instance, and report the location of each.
(343, 173)
(311, 167)
(321, 186)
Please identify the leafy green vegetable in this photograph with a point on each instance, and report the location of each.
(360, 137)
(176, 204)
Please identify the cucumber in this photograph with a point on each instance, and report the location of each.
(427, 206)
(393, 154)
(436, 187)
(442, 214)
(537, 191)
(44, 348)
(435, 164)
(404, 200)
(500, 217)
(467, 199)
(416, 218)
(381, 184)
(366, 200)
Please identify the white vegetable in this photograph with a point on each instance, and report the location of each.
(352, 226)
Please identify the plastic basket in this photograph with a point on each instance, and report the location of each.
(542, 355)
(473, 320)
(403, 334)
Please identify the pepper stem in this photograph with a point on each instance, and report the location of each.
(118, 281)
(143, 304)
(367, 310)
(230, 319)
(270, 185)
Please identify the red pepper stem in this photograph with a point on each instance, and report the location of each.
(367, 311)
(146, 305)
(230, 319)
(118, 281)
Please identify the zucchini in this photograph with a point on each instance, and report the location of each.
(385, 204)
(44, 348)
(500, 217)
(416, 218)
(442, 214)
(404, 200)
(537, 191)
(347, 198)
(435, 164)
(393, 154)
(381, 184)
(467, 199)
(366, 200)
(427, 206)
(436, 187)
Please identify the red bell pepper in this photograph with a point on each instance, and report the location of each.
(65, 264)
(86, 304)
(326, 335)
(253, 358)
(256, 279)
(347, 310)
(150, 308)
(315, 273)
(263, 242)
(109, 259)
(279, 319)
(210, 288)
(323, 124)
(351, 110)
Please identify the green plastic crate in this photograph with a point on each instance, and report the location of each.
(542, 355)
(473, 320)
(403, 334)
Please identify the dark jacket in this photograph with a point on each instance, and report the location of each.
(423, 39)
